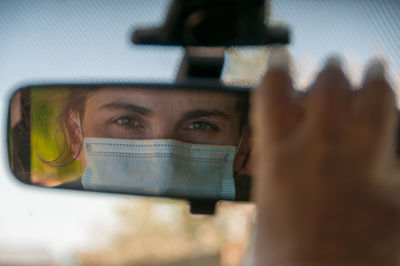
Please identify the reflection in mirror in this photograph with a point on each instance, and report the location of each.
(132, 139)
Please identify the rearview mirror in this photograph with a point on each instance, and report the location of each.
(180, 140)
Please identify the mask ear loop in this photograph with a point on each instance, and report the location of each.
(80, 127)
(244, 134)
(76, 152)
(240, 142)
(81, 169)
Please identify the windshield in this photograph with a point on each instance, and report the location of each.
(82, 42)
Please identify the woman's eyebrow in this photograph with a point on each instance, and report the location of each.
(127, 107)
(204, 113)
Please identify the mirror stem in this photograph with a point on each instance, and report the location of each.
(201, 63)
(202, 207)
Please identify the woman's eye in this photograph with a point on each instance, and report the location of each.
(128, 121)
(201, 125)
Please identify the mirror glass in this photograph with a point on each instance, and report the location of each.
(136, 139)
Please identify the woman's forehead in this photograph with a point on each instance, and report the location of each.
(155, 97)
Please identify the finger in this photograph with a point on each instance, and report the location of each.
(328, 103)
(274, 109)
(376, 115)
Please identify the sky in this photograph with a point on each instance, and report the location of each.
(68, 41)
(88, 41)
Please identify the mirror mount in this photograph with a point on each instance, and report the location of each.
(203, 63)
(202, 207)
(214, 23)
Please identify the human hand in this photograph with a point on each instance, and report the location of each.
(324, 163)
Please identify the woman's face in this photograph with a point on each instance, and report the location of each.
(201, 117)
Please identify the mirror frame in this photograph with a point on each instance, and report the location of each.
(202, 205)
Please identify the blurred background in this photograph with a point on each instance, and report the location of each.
(88, 41)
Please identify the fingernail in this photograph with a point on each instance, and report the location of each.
(375, 70)
(278, 58)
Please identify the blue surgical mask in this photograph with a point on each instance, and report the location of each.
(159, 167)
